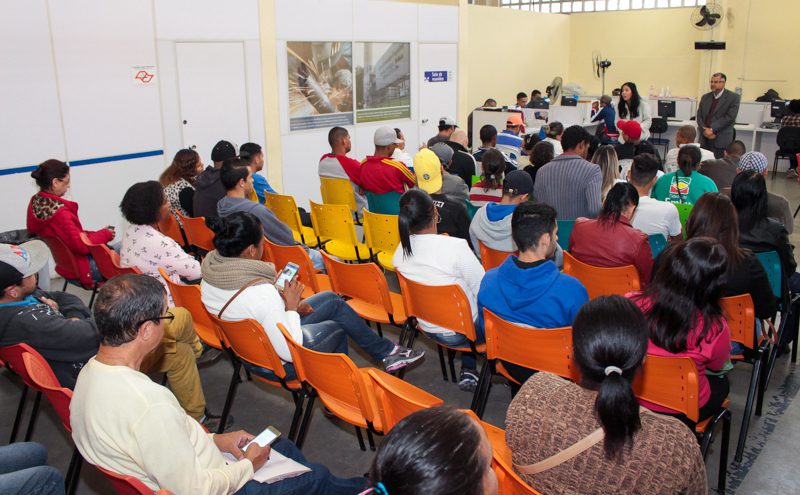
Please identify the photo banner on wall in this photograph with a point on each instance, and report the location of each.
(320, 84)
(383, 81)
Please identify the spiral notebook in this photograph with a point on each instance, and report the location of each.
(277, 468)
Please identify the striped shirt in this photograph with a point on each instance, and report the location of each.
(571, 185)
(381, 175)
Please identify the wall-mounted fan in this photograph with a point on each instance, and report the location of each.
(707, 17)
(599, 66)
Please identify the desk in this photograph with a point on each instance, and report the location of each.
(754, 137)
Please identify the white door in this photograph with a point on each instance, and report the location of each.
(438, 88)
(213, 95)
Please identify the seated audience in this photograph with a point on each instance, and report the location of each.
(686, 184)
(491, 224)
(638, 452)
(446, 128)
(488, 135)
(452, 185)
(541, 154)
(379, 173)
(792, 119)
(682, 308)
(49, 214)
(652, 216)
(178, 181)
(453, 217)
(685, 136)
(734, 151)
(777, 205)
(254, 155)
(238, 181)
(606, 158)
(553, 132)
(24, 470)
(124, 422)
(610, 240)
(438, 450)
(463, 164)
(337, 165)
(631, 144)
(607, 115)
(528, 288)
(321, 322)
(535, 95)
(522, 100)
(425, 257)
(208, 188)
(569, 183)
(509, 141)
(528, 142)
(490, 188)
(400, 154)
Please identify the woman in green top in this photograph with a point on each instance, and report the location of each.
(685, 185)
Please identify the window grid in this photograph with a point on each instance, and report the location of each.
(570, 6)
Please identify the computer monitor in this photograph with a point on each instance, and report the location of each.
(539, 103)
(777, 109)
(666, 109)
(568, 101)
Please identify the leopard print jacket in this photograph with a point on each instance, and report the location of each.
(44, 208)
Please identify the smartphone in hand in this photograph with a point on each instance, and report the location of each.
(265, 438)
(287, 274)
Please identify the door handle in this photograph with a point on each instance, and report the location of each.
(194, 147)
(185, 122)
(424, 121)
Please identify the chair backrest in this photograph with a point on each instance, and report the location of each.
(670, 382)
(197, 232)
(66, 263)
(602, 281)
(128, 485)
(107, 259)
(386, 204)
(296, 254)
(285, 208)
(363, 281)
(249, 341)
(445, 306)
(189, 298)
(12, 356)
(397, 398)
(333, 222)
(788, 139)
(541, 349)
(492, 258)
(658, 125)
(684, 209)
(44, 380)
(564, 232)
(337, 192)
(657, 243)
(170, 227)
(335, 378)
(772, 265)
(381, 232)
(471, 209)
(741, 317)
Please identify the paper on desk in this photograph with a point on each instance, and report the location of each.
(277, 468)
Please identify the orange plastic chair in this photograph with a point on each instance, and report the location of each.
(285, 208)
(492, 258)
(445, 306)
(335, 223)
(672, 382)
(314, 282)
(367, 290)
(11, 356)
(189, 298)
(602, 281)
(67, 266)
(382, 236)
(197, 232)
(128, 485)
(397, 398)
(513, 342)
(341, 386)
(107, 259)
(172, 229)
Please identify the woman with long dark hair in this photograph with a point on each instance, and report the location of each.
(178, 180)
(490, 188)
(631, 107)
(685, 185)
(682, 307)
(610, 240)
(626, 447)
(541, 154)
(424, 256)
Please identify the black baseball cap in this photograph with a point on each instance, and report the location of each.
(222, 151)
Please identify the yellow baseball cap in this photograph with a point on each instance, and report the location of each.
(428, 170)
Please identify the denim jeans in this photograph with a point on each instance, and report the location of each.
(319, 481)
(457, 340)
(316, 258)
(24, 470)
(327, 328)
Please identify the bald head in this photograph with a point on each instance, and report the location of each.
(460, 137)
(686, 134)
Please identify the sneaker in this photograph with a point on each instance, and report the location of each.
(468, 381)
(401, 357)
(791, 173)
(209, 356)
(211, 422)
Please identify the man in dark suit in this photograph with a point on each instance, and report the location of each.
(716, 116)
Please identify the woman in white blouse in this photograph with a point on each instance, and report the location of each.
(631, 106)
(553, 132)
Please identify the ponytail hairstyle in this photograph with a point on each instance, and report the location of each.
(619, 197)
(631, 108)
(553, 129)
(416, 214)
(49, 170)
(493, 165)
(688, 159)
(235, 233)
(436, 450)
(609, 336)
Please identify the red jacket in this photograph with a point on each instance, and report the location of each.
(611, 245)
(53, 216)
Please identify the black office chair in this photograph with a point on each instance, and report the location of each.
(657, 128)
(788, 145)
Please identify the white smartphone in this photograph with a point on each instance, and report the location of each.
(287, 274)
(266, 437)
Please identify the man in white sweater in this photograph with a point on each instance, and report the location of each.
(124, 422)
(686, 136)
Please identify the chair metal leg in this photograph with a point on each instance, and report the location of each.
(748, 407)
(299, 398)
(482, 391)
(378, 327)
(74, 472)
(91, 299)
(370, 440)
(63, 289)
(412, 337)
(762, 384)
(301, 434)
(34, 414)
(451, 356)
(441, 362)
(231, 393)
(18, 417)
(796, 211)
(723, 452)
(360, 439)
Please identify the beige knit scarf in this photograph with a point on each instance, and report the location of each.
(233, 273)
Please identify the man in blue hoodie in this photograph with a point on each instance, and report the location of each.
(528, 288)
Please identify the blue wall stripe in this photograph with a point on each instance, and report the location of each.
(88, 161)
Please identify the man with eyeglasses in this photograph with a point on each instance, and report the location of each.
(716, 116)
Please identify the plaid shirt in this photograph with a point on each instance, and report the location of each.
(791, 120)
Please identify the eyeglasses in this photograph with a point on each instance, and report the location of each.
(168, 316)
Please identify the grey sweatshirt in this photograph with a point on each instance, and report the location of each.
(274, 230)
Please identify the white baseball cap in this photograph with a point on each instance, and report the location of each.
(385, 135)
(20, 261)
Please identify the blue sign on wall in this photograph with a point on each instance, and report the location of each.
(436, 76)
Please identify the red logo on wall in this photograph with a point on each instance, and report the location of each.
(144, 76)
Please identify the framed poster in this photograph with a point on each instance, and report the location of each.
(383, 81)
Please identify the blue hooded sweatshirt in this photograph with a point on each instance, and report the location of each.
(540, 296)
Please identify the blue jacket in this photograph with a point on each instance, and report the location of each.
(541, 296)
(608, 116)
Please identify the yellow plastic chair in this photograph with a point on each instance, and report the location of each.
(338, 192)
(335, 222)
(285, 208)
(382, 235)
